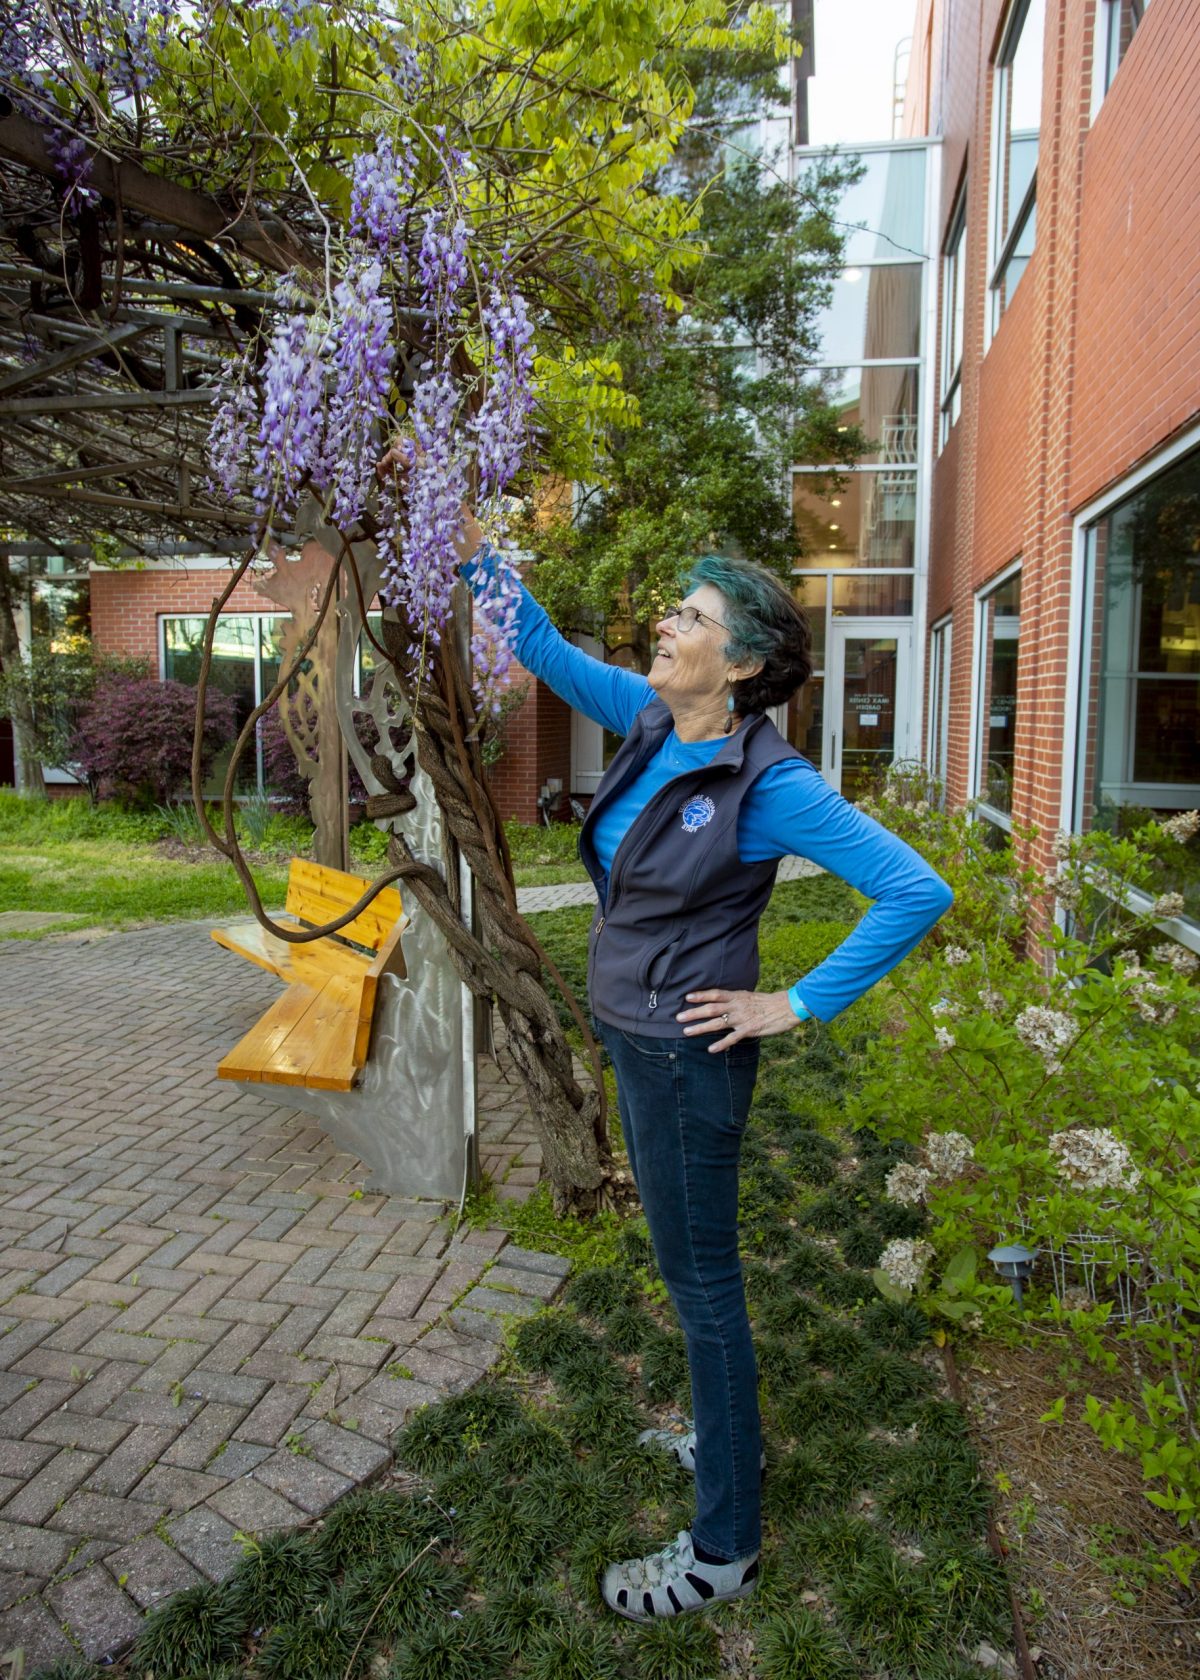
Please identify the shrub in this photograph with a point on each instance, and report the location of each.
(135, 737)
(1045, 1080)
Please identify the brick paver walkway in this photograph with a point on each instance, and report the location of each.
(205, 1325)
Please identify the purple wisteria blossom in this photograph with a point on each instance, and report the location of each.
(378, 181)
(229, 438)
(422, 568)
(73, 166)
(442, 264)
(289, 433)
(500, 427)
(362, 367)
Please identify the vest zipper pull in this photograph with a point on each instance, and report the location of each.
(600, 927)
(653, 1002)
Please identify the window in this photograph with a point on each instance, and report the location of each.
(1139, 703)
(954, 268)
(938, 753)
(998, 642)
(1119, 20)
(1017, 92)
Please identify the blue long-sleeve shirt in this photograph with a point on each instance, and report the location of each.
(790, 811)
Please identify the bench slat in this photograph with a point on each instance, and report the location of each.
(307, 1038)
(313, 961)
(318, 1033)
(317, 895)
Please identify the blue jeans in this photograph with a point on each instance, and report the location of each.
(683, 1113)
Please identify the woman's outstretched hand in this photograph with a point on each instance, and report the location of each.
(398, 463)
(738, 1015)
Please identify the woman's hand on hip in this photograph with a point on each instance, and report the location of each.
(737, 1015)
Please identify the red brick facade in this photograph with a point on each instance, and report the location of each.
(1096, 362)
(127, 606)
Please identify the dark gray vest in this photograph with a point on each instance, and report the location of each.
(681, 912)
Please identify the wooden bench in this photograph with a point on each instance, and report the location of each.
(318, 1032)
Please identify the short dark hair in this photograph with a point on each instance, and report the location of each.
(765, 622)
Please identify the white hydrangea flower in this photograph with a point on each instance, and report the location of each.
(904, 1260)
(1183, 826)
(921, 808)
(945, 1038)
(1167, 905)
(1067, 890)
(992, 1001)
(944, 1006)
(1094, 1158)
(906, 1183)
(948, 1153)
(1150, 1000)
(1048, 1031)
(1062, 845)
(1177, 957)
(956, 956)
(1132, 962)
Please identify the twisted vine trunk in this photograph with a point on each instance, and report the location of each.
(504, 962)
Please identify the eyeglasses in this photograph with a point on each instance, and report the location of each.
(689, 617)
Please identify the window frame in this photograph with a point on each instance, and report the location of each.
(1079, 657)
(982, 654)
(954, 300)
(1107, 57)
(257, 615)
(937, 737)
(1002, 248)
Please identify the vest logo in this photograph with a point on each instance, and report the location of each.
(697, 812)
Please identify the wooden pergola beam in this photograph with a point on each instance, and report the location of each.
(273, 244)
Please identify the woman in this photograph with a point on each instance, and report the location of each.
(682, 841)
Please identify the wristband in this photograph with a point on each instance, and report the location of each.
(799, 1007)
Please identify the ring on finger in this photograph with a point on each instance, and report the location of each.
(725, 1019)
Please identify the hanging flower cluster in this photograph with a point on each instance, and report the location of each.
(326, 401)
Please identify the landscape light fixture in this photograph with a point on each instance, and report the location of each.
(1015, 1266)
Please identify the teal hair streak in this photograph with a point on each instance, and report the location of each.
(759, 611)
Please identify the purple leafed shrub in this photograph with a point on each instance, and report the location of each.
(136, 737)
(285, 783)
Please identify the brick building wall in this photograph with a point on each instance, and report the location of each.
(537, 747)
(127, 606)
(1095, 363)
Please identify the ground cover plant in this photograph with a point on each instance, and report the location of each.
(481, 1558)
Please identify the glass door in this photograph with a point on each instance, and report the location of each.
(866, 723)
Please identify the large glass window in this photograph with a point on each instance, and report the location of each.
(954, 268)
(1120, 20)
(1017, 92)
(856, 519)
(882, 400)
(234, 671)
(1139, 739)
(886, 207)
(874, 313)
(996, 700)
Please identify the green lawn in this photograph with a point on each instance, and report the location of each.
(106, 867)
(110, 884)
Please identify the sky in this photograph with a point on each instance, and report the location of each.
(850, 97)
